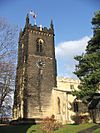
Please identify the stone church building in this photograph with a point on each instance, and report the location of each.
(38, 91)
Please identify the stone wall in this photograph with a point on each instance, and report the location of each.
(63, 99)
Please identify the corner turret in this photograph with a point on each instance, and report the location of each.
(51, 25)
(20, 34)
(27, 21)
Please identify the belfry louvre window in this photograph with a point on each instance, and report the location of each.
(39, 46)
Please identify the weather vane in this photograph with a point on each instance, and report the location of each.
(34, 15)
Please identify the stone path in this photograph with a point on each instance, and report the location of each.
(91, 129)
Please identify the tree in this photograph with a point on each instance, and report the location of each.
(88, 68)
(8, 50)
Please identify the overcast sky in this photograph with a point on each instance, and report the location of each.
(72, 23)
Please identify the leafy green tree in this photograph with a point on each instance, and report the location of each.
(88, 68)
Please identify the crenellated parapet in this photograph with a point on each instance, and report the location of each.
(41, 29)
(36, 29)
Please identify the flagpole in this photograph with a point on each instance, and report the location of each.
(34, 21)
(34, 15)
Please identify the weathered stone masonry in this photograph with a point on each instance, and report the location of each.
(36, 72)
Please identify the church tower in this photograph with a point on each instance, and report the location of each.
(36, 72)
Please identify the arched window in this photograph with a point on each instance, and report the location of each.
(72, 87)
(75, 104)
(58, 102)
(39, 46)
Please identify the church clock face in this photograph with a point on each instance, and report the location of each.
(40, 64)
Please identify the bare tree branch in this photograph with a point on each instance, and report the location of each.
(8, 52)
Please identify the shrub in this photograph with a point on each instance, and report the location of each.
(80, 119)
(49, 125)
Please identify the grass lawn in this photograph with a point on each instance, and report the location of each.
(97, 131)
(14, 128)
(74, 128)
(35, 128)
